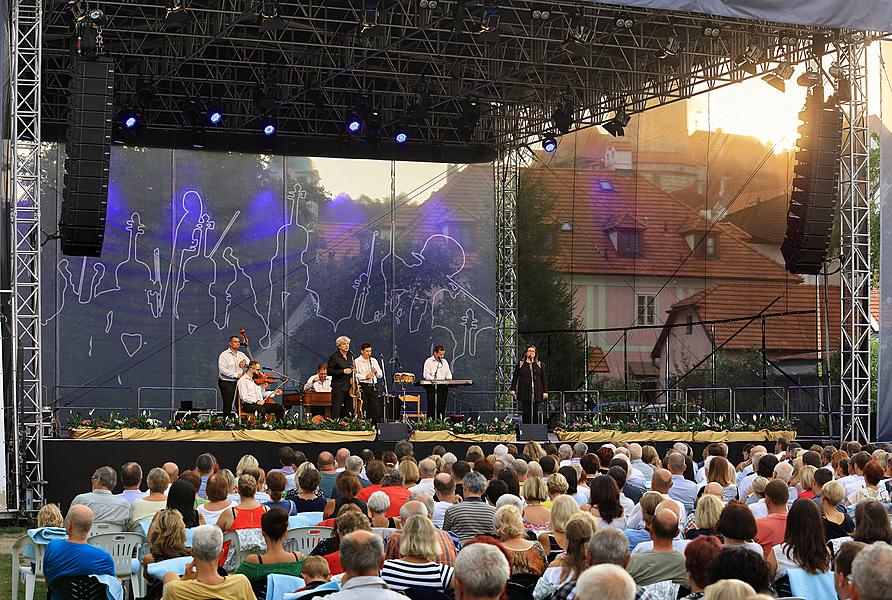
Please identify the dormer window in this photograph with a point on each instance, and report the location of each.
(701, 239)
(626, 235)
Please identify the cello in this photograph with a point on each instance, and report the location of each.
(355, 392)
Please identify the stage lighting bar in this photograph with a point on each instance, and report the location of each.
(616, 125)
(131, 119)
(752, 56)
(549, 143)
(670, 47)
(563, 115)
(778, 78)
(368, 25)
(712, 31)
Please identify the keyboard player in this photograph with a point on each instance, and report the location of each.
(436, 368)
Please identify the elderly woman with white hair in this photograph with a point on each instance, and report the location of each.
(202, 580)
(379, 504)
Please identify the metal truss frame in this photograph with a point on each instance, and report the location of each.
(29, 418)
(506, 174)
(855, 276)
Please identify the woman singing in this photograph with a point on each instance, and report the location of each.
(528, 384)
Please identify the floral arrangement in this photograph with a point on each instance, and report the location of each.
(467, 426)
(215, 423)
(677, 423)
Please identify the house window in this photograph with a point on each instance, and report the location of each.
(628, 243)
(645, 310)
(709, 246)
(689, 325)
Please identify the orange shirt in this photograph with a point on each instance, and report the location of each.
(397, 494)
(770, 531)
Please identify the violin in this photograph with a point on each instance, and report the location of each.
(266, 378)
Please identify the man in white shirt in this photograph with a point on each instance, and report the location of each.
(444, 486)
(320, 382)
(427, 469)
(368, 372)
(230, 366)
(436, 368)
(255, 398)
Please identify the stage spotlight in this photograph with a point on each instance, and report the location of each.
(369, 26)
(809, 79)
(563, 115)
(624, 22)
(670, 46)
(616, 125)
(269, 17)
(541, 13)
(353, 124)
(712, 31)
(214, 113)
(76, 9)
(549, 143)
(130, 118)
(778, 78)
(176, 15)
(268, 126)
(401, 137)
(579, 38)
(428, 4)
(750, 58)
(489, 24)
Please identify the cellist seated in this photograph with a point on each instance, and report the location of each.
(255, 398)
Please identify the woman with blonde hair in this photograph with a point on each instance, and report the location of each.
(556, 484)
(419, 548)
(728, 589)
(244, 462)
(50, 516)
(571, 563)
(807, 482)
(533, 450)
(535, 470)
(837, 523)
(529, 557)
(410, 473)
(555, 542)
(706, 516)
(167, 537)
(536, 516)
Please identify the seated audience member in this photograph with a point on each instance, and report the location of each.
(408, 468)
(698, 558)
(314, 571)
(205, 466)
(663, 562)
(325, 463)
(511, 481)
(392, 484)
(807, 482)
(535, 515)
(246, 462)
(306, 499)
(706, 516)
(285, 457)
(257, 473)
(379, 504)
(131, 479)
(181, 497)
(728, 589)
(872, 572)
(346, 490)
(737, 527)
(737, 562)
(374, 471)
(444, 496)
(275, 485)
(481, 573)
(202, 580)
(758, 507)
(362, 556)
(274, 525)
(528, 556)
(495, 490)
(873, 474)
(770, 530)
(842, 568)
(193, 478)
(473, 516)
(427, 469)
(349, 520)
(871, 523)
(837, 523)
(569, 564)
(684, 490)
(447, 547)
(73, 557)
(172, 470)
(556, 484)
(49, 515)
(605, 582)
(216, 492)
(720, 471)
(147, 506)
(167, 539)
(604, 503)
(804, 545)
(244, 515)
(416, 567)
(555, 542)
(105, 506)
(618, 472)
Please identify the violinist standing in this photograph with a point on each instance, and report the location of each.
(340, 368)
(255, 398)
(230, 366)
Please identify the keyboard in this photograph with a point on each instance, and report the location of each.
(445, 382)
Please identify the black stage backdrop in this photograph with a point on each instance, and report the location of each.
(200, 244)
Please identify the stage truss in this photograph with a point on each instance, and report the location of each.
(467, 86)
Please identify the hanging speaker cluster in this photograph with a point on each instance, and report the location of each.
(815, 186)
(88, 152)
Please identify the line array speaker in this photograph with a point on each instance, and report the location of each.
(815, 187)
(88, 151)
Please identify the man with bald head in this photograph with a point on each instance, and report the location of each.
(427, 468)
(326, 464)
(341, 457)
(72, 557)
(444, 497)
(678, 544)
(661, 482)
(173, 473)
(663, 561)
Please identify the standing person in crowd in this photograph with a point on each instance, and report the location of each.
(275, 485)
(362, 556)
(804, 546)
(155, 500)
(528, 385)
(481, 573)
(419, 547)
(74, 556)
(473, 516)
(182, 497)
(202, 580)
(256, 567)
(770, 530)
(231, 363)
(104, 506)
(837, 523)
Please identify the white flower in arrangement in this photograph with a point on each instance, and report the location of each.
(153, 422)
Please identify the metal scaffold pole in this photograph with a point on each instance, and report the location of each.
(507, 185)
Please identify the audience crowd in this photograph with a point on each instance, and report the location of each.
(534, 521)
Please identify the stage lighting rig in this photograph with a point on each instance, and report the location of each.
(549, 143)
(541, 13)
(581, 36)
(401, 136)
(809, 79)
(176, 15)
(616, 125)
(428, 4)
(131, 119)
(489, 24)
(752, 56)
(214, 113)
(778, 78)
(712, 31)
(563, 115)
(670, 46)
(843, 87)
(624, 22)
(269, 17)
(268, 125)
(87, 25)
(368, 25)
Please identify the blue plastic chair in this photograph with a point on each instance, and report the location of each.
(813, 587)
(306, 519)
(277, 585)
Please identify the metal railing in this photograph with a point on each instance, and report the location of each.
(172, 407)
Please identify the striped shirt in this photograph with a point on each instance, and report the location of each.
(401, 574)
(469, 519)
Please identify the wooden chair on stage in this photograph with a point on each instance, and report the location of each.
(407, 399)
(242, 413)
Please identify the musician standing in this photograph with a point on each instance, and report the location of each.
(340, 368)
(230, 366)
(255, 398)
(436, 368)
(368, 372)
(528, 384)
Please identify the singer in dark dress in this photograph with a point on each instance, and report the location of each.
(528, 385)
(340, 368)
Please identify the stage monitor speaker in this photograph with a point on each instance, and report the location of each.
(533, 432)
(815, 188)
(88, 152)
(492, 415)
(393, 431)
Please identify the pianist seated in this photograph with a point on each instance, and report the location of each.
(320, 382)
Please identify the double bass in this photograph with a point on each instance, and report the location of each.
(263, 379)
(355, 392)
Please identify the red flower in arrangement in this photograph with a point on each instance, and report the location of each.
(86, 422)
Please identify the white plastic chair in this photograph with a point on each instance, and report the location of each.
(304, 539)
(383, 532)
(242, 542)
(123, 546)
(100, 528)
(24, 572)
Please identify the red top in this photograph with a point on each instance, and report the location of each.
(334, 562)
(770, 531)
(397, 494)
(807, 494)
(242, 519)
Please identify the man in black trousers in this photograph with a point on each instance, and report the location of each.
(340, 368)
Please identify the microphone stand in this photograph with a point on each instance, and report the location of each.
(436, 390)
(384, 378)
